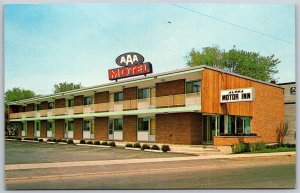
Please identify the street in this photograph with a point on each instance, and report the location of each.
(252, 172)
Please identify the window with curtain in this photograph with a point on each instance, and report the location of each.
(71, 103)
(87, 100)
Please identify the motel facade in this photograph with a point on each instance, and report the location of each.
(191, 106)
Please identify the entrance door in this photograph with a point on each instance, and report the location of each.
(209, 128)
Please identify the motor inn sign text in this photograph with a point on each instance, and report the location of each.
(237, 95)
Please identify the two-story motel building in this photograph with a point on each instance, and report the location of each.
(177, 107)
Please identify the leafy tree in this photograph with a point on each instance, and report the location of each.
(16, 94)
(64, 86)
(250, 64)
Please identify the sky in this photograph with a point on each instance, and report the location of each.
(45, 44)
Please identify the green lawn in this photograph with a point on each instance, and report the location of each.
(279, 149)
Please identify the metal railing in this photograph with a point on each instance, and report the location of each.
(147, 103)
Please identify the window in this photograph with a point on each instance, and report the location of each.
(51, 105)
(118, 124)
(231, 124)
(24, 127)
(87, 125)
(37, 126)
(118, 96)
(49, 126)
(37, 107)
(194, 86)
(110, 126)
(70, 125)
(143, 124)
(238, 124)
(71, 103)
(87, 100)
(144, 93)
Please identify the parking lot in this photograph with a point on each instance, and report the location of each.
(23, 152)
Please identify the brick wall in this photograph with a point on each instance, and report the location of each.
(196, 128)
(78, 131)
(102, 97)
(178, 128)
(44, 105)
(30, 128)
(78, 100)
(130, 128)
(170, 88)
(130, 94)
(43, 133)
(267, 109)
(29, 107)
(59, 128)
(101, 128)
(230, 140)
(60, 103)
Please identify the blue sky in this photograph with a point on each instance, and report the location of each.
(48, 44)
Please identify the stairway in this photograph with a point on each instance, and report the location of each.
(196, 149)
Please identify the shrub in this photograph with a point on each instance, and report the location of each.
(89, 142)
(112, 144)
(70, 141)
(104, 143)
(155, 147)
(19, 138)
(137, 145)
(240, 148)
(64, 140)
(54, 139)
(96, 142)
(145, 146)
(256, 146)
(35, 139)
(49, 140)
(41, 140)
(128, 145)
(82, 141)
(165, 148)
(281, 131)
(58, 140)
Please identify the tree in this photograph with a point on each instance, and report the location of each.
(12, 95)
(64, 86)
(281, 132)
(250, 64)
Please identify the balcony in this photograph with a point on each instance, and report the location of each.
(137, 104)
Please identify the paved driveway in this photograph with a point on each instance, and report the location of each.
(24, 152)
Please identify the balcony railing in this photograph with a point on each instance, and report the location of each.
(137, 104)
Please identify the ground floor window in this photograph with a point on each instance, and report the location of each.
(88, 125)
(143, 124)
(37, 126)
(118, 124)
(238, 124)
(49, 126)
(70, 125)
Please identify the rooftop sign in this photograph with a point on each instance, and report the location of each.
(237, 95)
(132, 66)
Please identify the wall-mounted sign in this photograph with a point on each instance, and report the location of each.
(130, 58)
(132, 66)
(237, 95)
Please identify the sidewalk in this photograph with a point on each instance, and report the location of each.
(135, 161)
